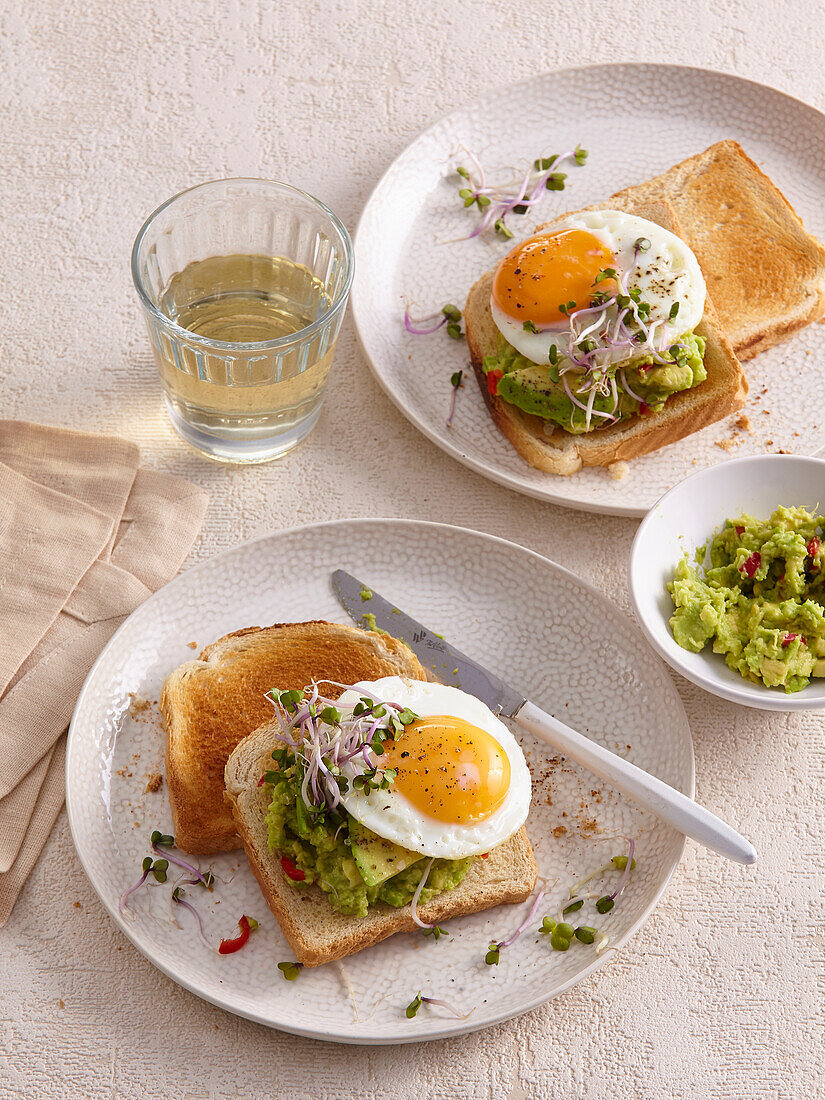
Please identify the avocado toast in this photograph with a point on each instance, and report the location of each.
(545, 444)
(317, 932)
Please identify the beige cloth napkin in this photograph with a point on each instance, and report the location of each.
(85, 537)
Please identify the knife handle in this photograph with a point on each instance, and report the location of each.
(639, 786)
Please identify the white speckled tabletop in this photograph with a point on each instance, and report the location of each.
(109, 107)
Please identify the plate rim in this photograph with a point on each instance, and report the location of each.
(493, 473)
(462, 1027)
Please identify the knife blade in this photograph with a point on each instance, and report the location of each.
(448, 664)
(451, 666)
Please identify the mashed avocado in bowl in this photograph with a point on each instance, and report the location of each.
(757, 595)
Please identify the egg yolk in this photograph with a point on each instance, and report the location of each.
(549, 270)
(449, 769)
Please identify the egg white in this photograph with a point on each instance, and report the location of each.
(667, 272)
(390, 815)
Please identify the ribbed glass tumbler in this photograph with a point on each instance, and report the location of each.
(243, 284)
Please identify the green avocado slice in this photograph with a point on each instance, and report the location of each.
(537, 388)
(378, 859)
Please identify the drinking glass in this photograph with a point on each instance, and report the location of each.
(249, 259)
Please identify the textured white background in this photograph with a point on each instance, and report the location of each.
(106, 109)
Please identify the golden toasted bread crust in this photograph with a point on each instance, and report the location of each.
(550, 448)
(314, 930)
(765, 272)
(211, 704)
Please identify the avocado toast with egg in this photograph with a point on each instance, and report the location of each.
(324, 838)
(633, 358)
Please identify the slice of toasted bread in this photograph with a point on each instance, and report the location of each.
(765, 272)
(548, 447)
(211, 704)
(315, 931)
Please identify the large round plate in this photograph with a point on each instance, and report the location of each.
(635, 121)
(544, 629)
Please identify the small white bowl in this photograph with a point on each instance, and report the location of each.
(684, 519)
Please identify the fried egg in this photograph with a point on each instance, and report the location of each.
(559, 268)
(462, 785)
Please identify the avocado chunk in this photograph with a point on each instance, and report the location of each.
(538, 389)
(534, 389)
(376, 858)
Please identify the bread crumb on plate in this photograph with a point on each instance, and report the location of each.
(153, 783)
(618, 470)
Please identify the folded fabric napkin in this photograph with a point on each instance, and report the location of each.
(85, 537)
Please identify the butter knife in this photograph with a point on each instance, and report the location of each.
(450, 666)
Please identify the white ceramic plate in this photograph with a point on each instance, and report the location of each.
(683, 520)
(635, 121)
(540, 626)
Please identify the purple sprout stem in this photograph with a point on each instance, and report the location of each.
(512, 938)
(411, 327)
(188, 905)
(569, 393)
(590, 309)
(165, 854)
(579, 404)
(479, 169)
(522, 192)
(628, 390)
(124, 897)
(419, 888)
(623, 881)
(489, 216)
(446, 1005)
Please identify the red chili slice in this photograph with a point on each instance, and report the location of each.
(813, 549)
(739, 531)
(291, 871)
(493, 379)
(751, 564)
(788, 639)
(229, 946)
(644, 408)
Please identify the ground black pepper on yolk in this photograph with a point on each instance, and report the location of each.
(547, 270)
(449, 769)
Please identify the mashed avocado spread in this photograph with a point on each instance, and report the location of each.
(353, 866)
(537, 388)
(761, 600)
